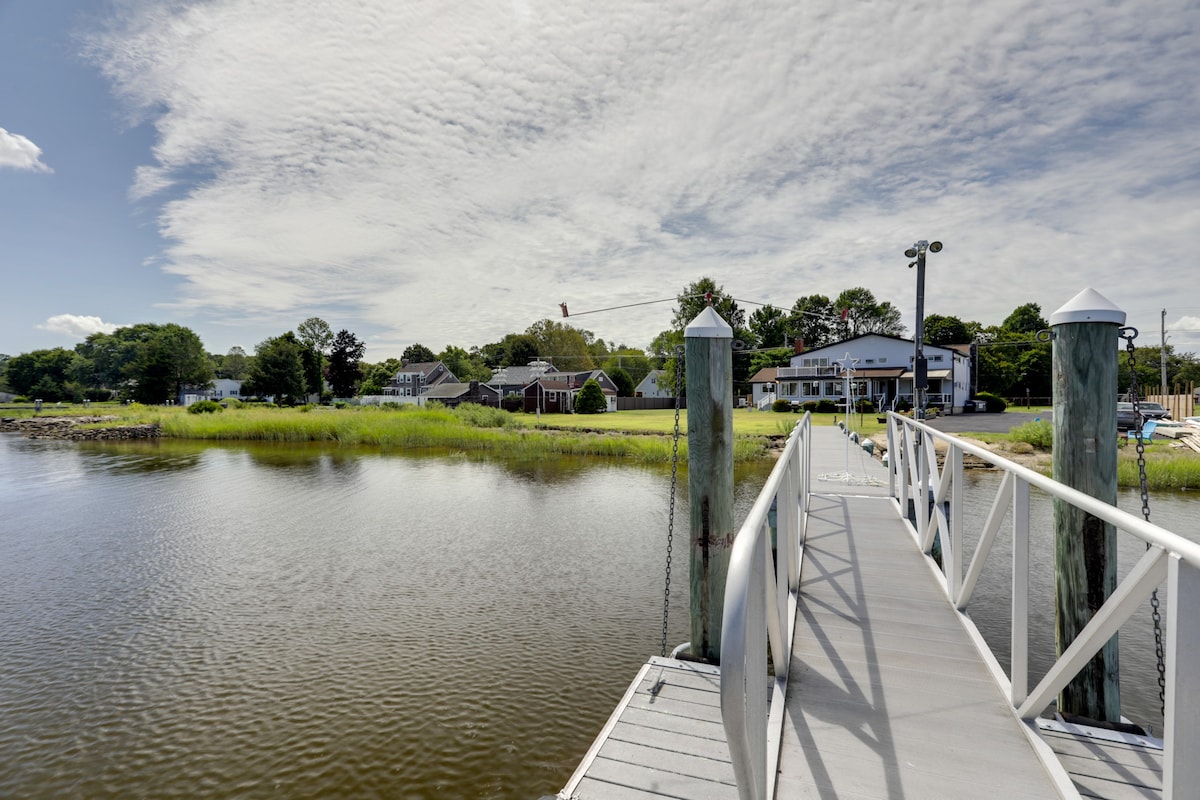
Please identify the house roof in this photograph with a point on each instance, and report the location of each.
(765, 375)
(842, 344)
(451, 390)
(426, 368)
(519, 376)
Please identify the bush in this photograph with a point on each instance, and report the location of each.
(478, 416)
(591, 399)
(902, 405)
(864, 406)
(809, 406)
(205, 407)
(1039, 433)
(995, 404)
(781, 405)
(826, 406)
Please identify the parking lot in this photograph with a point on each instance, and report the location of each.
(987, 423)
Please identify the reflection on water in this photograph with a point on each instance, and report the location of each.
(258, 621)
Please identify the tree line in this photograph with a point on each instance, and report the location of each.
(153, 363)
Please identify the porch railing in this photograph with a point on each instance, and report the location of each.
(761, 592)
(914, 473)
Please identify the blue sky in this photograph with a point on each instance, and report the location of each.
(449, 173)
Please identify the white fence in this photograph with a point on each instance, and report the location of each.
(914, 473)
(761, 592)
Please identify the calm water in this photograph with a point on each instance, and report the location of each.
(180, 620)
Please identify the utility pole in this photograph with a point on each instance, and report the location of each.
(1084, 368)
(1164, 355)
(920, 366)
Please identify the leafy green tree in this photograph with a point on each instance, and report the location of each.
(417, 353)
(376, 376)
(863, 314)
(625, 384)
(316, 337)
(465, 366)
(234, 365)
(113, 357)
(590, 399)
(813, 319)
(1025, 319)
(770, 326)
(170, 359)
(344, 369)
(778, 357)
(665, 351)
(565, 346)
(632, 361)
(278, 369)
(940, 330)
(42, 374)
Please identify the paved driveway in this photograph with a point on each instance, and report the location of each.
(987, 423)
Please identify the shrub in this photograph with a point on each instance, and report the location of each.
(478, 416)
(781, 405)
(809, 405)
(1039, 433)
(903, 405)
(205, 407)
(591, 399)
(995, 404)
(864, 406)
(826, 406)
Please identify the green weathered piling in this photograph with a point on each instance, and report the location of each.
(1085, 458)
(709, 359)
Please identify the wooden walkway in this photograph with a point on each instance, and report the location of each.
(887, 698)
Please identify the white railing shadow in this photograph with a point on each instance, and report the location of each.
(914, 473)
(761, 593)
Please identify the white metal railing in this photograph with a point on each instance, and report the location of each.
(767, 400)
(761, 593)
(914, 473)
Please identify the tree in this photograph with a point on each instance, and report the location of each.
(770, 326)
(170, 359)
(864, 315)
(42, 374)
(665, 350)
(940, 330)
(315, 334)
(417, 353)
(625, 384)
(630, 360)
(464, 365)
(278, 369)
(344, 369)
(564, 345)
(590, 399)
(234, 365)
(376, 376)
(1025, 319)
(812, 320)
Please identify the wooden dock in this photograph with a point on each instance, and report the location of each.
(888, 695)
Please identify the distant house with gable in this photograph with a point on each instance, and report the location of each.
(454, 394)
(555, 392)
(653, 385)
(414, 380)
(513, 380)
(219, 389)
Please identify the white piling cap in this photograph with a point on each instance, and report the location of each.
(708, 325)
(1088, 306)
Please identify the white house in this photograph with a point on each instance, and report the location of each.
(220, 389)
(653, 385)
(880, 370)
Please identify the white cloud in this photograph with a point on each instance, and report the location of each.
(452, 173)
(18, 152)
(77, 326)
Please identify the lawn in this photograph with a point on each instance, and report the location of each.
(745, 422)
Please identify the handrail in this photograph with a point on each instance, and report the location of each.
(914, 473)
(761, 593)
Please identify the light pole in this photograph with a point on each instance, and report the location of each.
(920, 367)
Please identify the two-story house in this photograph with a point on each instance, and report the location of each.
(881, 370)
(413, 380)
(556, 392)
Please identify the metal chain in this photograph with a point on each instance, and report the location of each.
(1129, 334)
(679, 373)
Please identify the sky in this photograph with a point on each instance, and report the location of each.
(448, 173)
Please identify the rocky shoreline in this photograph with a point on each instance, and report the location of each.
(68, 428)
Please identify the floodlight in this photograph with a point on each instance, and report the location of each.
(935, 247)
(910, 252)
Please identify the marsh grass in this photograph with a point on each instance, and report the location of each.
(467, 428)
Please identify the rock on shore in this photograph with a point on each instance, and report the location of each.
(68, 428)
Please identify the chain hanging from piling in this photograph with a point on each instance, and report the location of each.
(1129, 334)
(679, 376)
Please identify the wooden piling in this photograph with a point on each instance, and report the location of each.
(708, 352)
(1085, 458)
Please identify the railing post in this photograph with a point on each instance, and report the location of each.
(708, 342)
(1085, 458)
(1181, 724)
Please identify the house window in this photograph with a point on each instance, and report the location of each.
(870, 361)
(812, 389)
(937, 358)
(833, 389)
(883, 361)
(788, 389)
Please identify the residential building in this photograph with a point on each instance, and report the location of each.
(653, 385)
(555, 393)
(453, 394)
(880, 370)
(413, 380)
